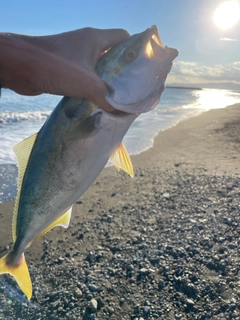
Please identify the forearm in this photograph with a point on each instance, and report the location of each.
(14, 58)
(22, 61)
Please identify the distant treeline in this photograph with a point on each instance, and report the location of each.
(188, 88)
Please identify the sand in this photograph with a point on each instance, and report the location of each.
(163, 245)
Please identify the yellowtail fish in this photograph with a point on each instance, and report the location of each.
(59, 163)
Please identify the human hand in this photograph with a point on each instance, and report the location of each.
(61, 64)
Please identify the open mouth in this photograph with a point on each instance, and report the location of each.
(155, 35)
(155, 47)
(155, 50)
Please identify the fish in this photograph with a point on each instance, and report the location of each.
(59, 163)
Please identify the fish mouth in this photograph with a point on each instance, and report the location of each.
(155, 47)
(155, 35)
(156, 50)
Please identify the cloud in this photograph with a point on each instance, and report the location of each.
(195, 73)
(229, 39)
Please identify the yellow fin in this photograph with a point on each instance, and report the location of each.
(63, 221)
(22, 151)
(19, 272)
(121, 159)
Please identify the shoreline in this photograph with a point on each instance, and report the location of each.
(191, 136)
(152, 246)
(10, 180)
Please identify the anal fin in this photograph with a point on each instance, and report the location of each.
(63, 221)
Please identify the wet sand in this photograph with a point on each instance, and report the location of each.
(163, 245)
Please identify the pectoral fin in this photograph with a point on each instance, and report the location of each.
(86, 128)
(22, 150)
(121, 159)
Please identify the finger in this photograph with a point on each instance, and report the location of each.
(110, 37)
(96, 91)
(88, 86)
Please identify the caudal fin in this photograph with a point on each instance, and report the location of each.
(19, 272)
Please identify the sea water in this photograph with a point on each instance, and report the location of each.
(22, 116)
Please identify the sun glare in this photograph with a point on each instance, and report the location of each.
(227, 14)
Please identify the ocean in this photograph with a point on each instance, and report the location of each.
(22, 116)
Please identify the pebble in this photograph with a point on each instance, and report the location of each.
(143, 271)
(146, 310)
(92, 287)
(89, 296)
(190, 302)
(110, 310)
(93, 305)
(166, 195)
(160, 284)
(78, 293)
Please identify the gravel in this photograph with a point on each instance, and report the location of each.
(168, 250)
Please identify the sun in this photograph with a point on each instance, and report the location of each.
(227, 14)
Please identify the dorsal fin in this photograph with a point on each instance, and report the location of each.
(121, 159)
(22, 150)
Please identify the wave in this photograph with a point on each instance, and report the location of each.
(13, 117)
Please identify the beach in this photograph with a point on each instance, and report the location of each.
(163, 245)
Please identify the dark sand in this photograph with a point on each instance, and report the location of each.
(164, 245)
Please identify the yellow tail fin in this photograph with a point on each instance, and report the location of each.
(19, 272)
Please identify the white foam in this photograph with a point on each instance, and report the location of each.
(13, 117)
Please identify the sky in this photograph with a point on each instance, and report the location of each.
(208, 55)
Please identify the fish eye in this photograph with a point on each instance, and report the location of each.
(130, 55)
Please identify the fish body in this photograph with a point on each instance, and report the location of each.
(69, 152)
(57, 165)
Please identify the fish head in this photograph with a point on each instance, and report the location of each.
(135, 72)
